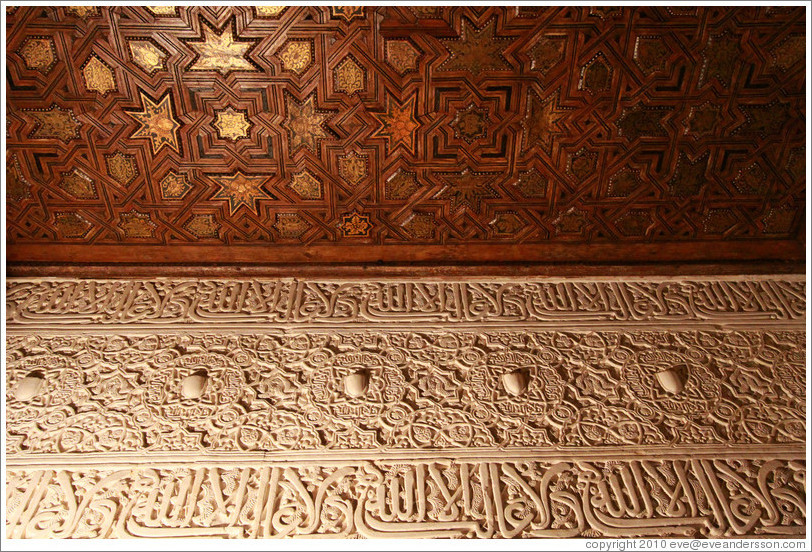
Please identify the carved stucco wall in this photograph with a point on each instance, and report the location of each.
(399, 408)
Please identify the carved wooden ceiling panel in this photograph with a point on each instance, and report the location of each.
(398, 126)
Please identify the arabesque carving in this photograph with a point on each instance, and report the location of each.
(407, 498)
(351, 409)
(403, 390)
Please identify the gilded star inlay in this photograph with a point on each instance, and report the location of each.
(71, 225)
(540, 122)
(467, 190)
(305, 125)
(355, 225)
(398, 124)
(55, 123)
(221, 52)
(157, 122)
(475, 50)
(231, 124)
(241, 190)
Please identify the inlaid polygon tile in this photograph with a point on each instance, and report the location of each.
(506, 223)
(582, 164)
(98, 76)
(79, 185)
(355, 225)
(467, 189)
(596, 75)
(402, 55)
(789, 52)
(147, 55)
(624, 182)
(718, 221)
(296, 56)
(136, 224)
(421, 226)
(401, 185)
(174, 186)
(269, 12)
(720, 58)
(353, 167)
(779, 220)
(765, 120)
(752, 180)
(241, 190)
(17, 187)
(634, 222)
(641, 122)
(290, 225)
(157, 122)
(221, 52)
(71, 224)
(349, 77)
(231, 124)
(306, 185)
(571, 221)
(796, 164)
(650, 53)
(689, 176)
(203, 226)
(476, 50)
(547, 52)
(83, 12)
(122, 167)
(38, 53)
(54, 122)
(532, 184)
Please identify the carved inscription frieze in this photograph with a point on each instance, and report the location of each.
(422, 390)
(407, 498)
(293, 301)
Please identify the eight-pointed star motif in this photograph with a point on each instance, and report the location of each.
(540, 122)
(220, 52)
(467, 189)
(398, 124)
(475, 50)
(157, 122)
(241, 190)
(304, 124)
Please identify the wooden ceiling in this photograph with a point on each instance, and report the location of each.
(405, 135)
